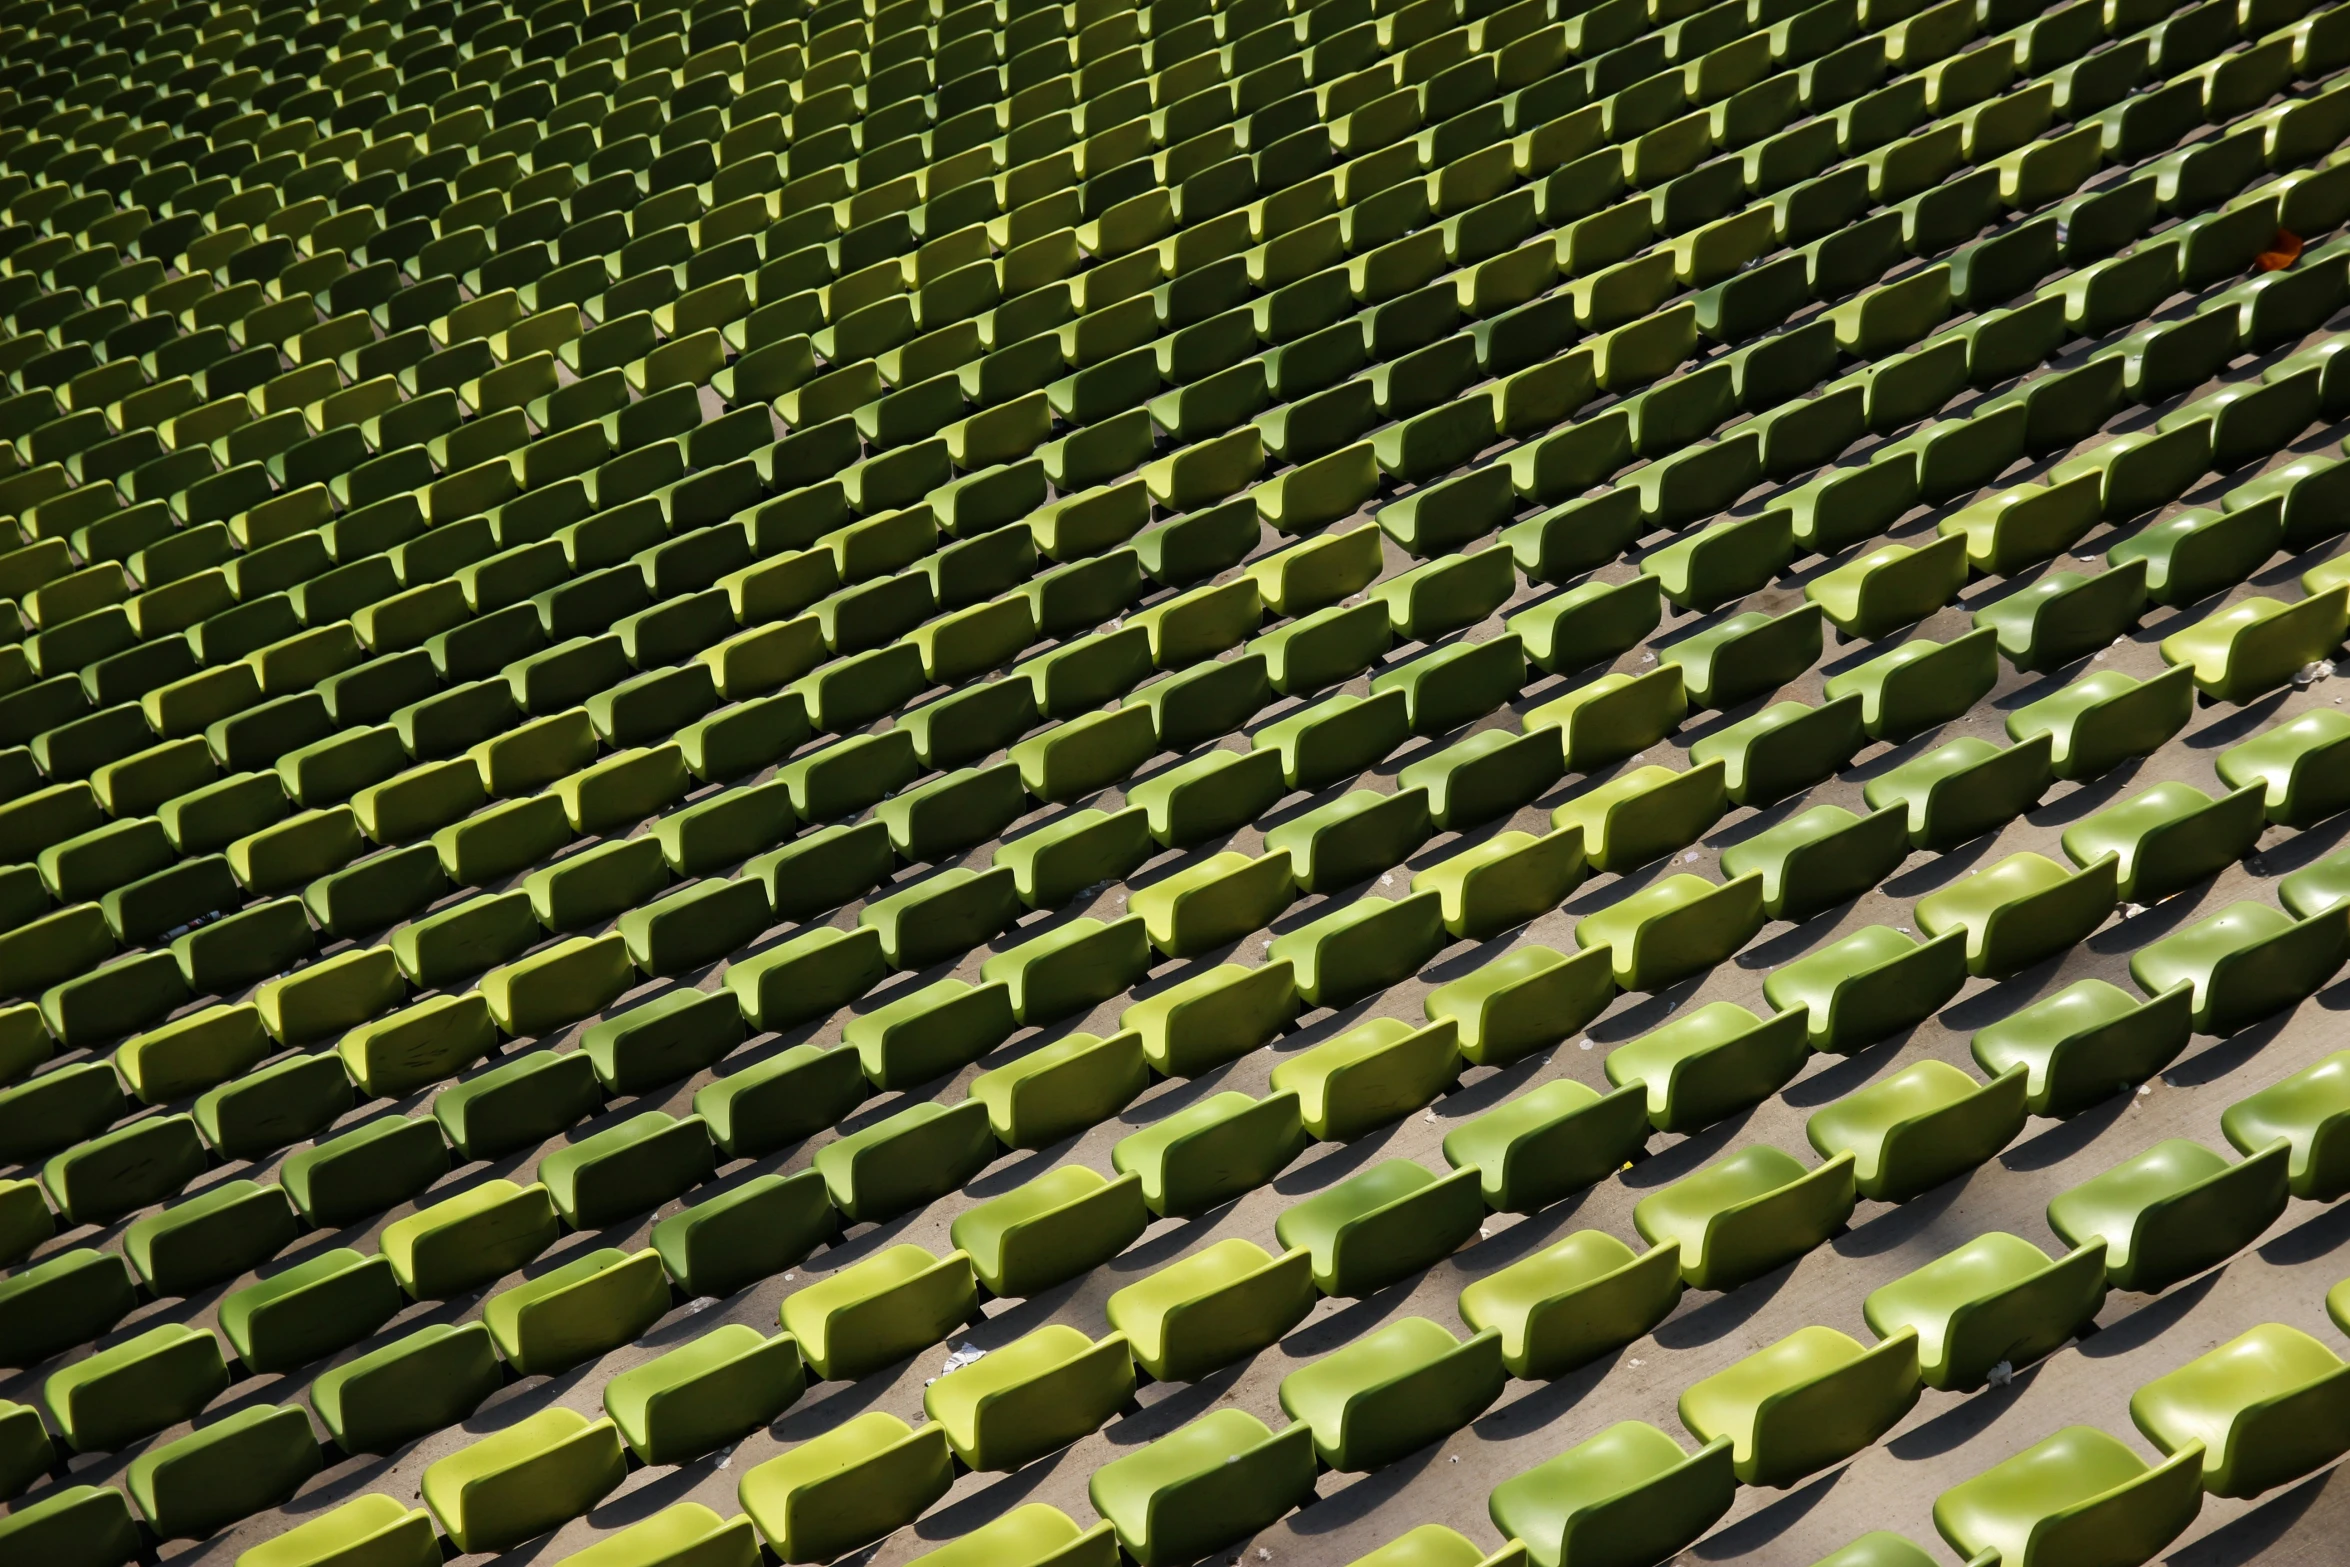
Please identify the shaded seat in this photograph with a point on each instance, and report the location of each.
(524, 1480)
(930, 1032)
(1613, 717)
(905, 1160)
(2308, 1112)
(2107, 718)
(2077, 1496)
(2168, 837)
(1819, 858)
(314, 1308)
(1923, 1125)
(1040, 1392)
(1870, 984)
(1712, 1062)
(219, 1473)
(1538, 1147)
(704, 1394)
(2299, 765)
(1061, 1088)
(1070, 967)
(2173, 1210)
(2263, 1409)
(1507, 880)
(1810, 1400)
(1220, 1478)
(1212, 1308)
(1574, 1301)
(1746, 655)
(1740, 1217)
(1487, 774)
(1525, 999)
(1356, 836)
(1375, 1227)
(142, 1385)
(2020, 910)
(1628, 1496)
(2258, 644)
(372, 1528)
(1393, 1390)
(81, 1525)
(1675, 928)
(1361, 947)
(1206, 1020)
(1996, 1300)
(1212, 1151)
(1920, 683)
(1429, 1545)
(2064, 615)
(1964, 789)
(521, 1100)
(1216, 901)
(685, 1534)
(467, 1240)
(1787, 747)
(639, 1164)
(1051, 1228)
(580, 1310)
(879, 1310)
(1890, 587)
(2243, 963)
(751, 1230)
(430, 1378)
(2087, 1042)
(2197, 552)
(785, 1097)
(1647, 813)
(1374, 1073)
(1030, 1535)
(214, 1235)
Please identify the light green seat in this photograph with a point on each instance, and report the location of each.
(1213, 1307)
(860, 1480)
(1819, 858)
(1486, 774)
(2244, 963)
(1785, 748)
(1523, 1000)
(1055, 863)
(1920, 684)
(1573, 1301)
(372, 1530)
(1996, 1300)
(1052, 1228)
(748, 1231)
(1042, 1391)
(1210, 795)
(1810, 1400)
(686, 1534)
(1061, 1088)
(1724, 562)
(2264, 1409)
(1199, 1023)
(2173, 1210)
(1337, 738)
(2257, 644)
(2087, 1042)
(1393, 1391)
(1890, 587)
(2300, 765)
(1429, 1545)
(1354, 837)
(1220, 1478)
(1919, 1127)
(135, 1388)
(2019, 527)
(1878, 1548)
(2079, 1496)
(1589, 624)
(1963, 789)
(1675, 928)
(1212, 1151)
(2197, 552)
(1646, 813)
(1627, 1497)
(1367, 1076)
(1614, 716)
(578, 1311)
(463, 1242)
(219, 1473)
(901, 1162)
(2169, 837)
(428, 1379)
(1534, 1149)
(880, 1310)
(1217, 901)
(1746, 655)
(2064, 616)
(2021, 909)
(704, 1394)
(1509, 879)
(2104, 719)
(1738, 1218)
(1030, 1535)
(1713, 1062)
(2308, 1112)
(1870, 984)
(1375, 1227)
(522, 1100)
(1070, 967)
(321, 1304)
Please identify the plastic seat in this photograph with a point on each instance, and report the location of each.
(587, 1306)
(1675, 928)
(1870, 984)
(1221, 1477)
(1040, 1392)
(1393, 1391)
(909, 1158)
(2087, 1042)
(1588, 624)
(2297, 764)
(1995, 1301)
(2264, 1409)
(1631, 1494)
(224, 1471)
(1740, 1217)
(1524, 1000)
(2173, 1211)
(1367, 1076)
(369, 1528)
(2168, 837)
(1353, 837)
(626, 1169)
(1075, 1082)
(1923, 1125)
(1810, 1400)
(1050, 1229)
(135, 1388)
(2107, 718)
(81, 1524)
(2303, 1112)
(321, 1304)
(1963, 789)
(1819, 858)
(1787, 747)
(1208, 797)
(1509, 879)
(2243, 963)
(1208, 1019)
(1573, 1301)
(1890, 587)
(686, 1532)
(2258, 644)
(465, 1241)
(2020, 910)
(1613, 717)
(1027, 1536)
(517, 1102)
(750, 1231)
(1376, 1227)
(2197, 552)
(878, 1311)
(2077, 1496)
(1646, 813)
(1214, 902)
